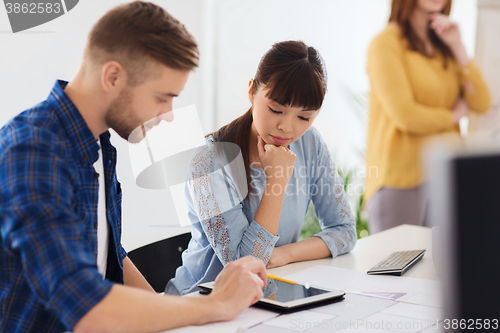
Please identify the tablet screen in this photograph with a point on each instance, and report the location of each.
(286, 297)
(287, 292)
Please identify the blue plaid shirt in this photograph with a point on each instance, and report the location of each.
(48, 215)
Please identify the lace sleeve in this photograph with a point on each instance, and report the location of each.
(331, 205)
(217, 205)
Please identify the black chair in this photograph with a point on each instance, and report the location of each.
(159, 260)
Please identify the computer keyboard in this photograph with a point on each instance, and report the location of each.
(397, 263)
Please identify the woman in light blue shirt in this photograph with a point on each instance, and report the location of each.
(252, 200)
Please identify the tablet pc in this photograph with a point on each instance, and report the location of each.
(287, 297)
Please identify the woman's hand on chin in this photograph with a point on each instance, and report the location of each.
(277, 162)
(446, 30)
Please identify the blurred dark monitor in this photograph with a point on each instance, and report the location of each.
(465, 203)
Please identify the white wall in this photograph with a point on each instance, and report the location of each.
(340, 30)
(233, 35)
(488, 59)
(31, 61)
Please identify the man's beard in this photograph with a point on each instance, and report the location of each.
(121, 119)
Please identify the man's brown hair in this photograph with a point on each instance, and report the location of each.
(136, 33)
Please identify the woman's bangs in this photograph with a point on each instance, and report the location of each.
(297, 87)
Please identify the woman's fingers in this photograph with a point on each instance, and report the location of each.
(277, 161)
(261, 146)
(441, 23)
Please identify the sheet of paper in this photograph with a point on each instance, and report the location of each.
(415, 311)
(393, 323)
(354, 307)
(263, 328)
(403, 289)
(333, 317)
(353, 330)
(434, 329)
(357, 313)
(299, 321)
(248, 318)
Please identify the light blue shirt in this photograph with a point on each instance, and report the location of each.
(225, 230)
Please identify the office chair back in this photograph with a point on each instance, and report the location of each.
(159, 260)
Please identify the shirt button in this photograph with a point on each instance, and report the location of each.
(95, 224)
(96, 175)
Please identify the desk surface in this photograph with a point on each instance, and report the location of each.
(372, 249)
(367, 253)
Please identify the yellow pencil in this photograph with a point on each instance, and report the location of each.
(280, 279)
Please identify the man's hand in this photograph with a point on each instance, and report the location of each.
(127, 309)
(238, 286)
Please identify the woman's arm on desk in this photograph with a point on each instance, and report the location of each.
(230, 233)
(338, 235)
(308, 249)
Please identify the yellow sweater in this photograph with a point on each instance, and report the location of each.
(411, 100)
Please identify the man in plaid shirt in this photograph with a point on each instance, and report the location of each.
(137, 60)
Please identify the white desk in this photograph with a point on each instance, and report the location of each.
(372, 249)
(367, 253)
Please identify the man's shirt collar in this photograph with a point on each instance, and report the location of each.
(81, 137)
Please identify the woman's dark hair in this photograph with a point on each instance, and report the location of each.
(293, 74)
(400, 14)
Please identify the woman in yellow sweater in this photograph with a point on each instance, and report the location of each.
(422, 83)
